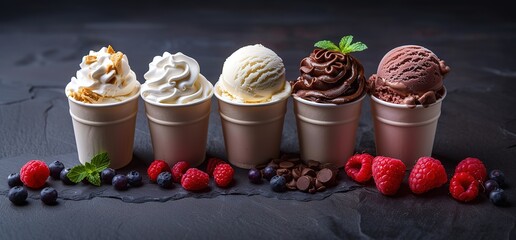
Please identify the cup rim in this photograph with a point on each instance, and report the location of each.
(100, 105)
(219, 97)
(195, 102)
(327, 105)
(398, 105)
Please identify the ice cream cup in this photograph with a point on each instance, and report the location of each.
(105, 127)
(327, 132)
(179, 132)
(405, 133)
(252, 132)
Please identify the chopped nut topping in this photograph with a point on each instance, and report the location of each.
(90, 59)
(86, 95)
(117, 61)
(110, 50)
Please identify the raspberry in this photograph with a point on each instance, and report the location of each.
(388, 174)
(223, 174)
(427, 174)
(157, 167)
(359, 167)
(178, 170)
(474, 167)
(212, 163)
(195, 180)
(463, 187)
(34, 174)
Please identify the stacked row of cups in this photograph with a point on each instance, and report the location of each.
(252, 97)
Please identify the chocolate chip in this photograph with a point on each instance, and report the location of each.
(304, 183)
(292, 185)
(308, 171)
(296, 173)
(286, 164)
(294, 160)
(326, 176)
(312, 190)
(320, 189)
(318, 184)
(313, 164)
(276, 160)
(327, 165)
(273, 164)
(285, 173)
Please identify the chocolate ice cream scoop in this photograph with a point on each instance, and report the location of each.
(330, 77)
(411, 75)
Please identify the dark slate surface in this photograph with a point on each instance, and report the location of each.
(42, 45)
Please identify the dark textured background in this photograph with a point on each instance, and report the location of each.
(41, 46)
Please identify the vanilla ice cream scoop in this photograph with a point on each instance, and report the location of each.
(104, 77)
(253, 74)
(175, 79)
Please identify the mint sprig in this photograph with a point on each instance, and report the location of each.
(345, 45)
(90, 170)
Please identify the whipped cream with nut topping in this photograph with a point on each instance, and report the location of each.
(104, 77)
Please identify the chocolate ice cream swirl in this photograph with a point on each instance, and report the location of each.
(330, 77)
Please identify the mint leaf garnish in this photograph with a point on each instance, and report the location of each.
(90, 170)
(77, 173)
(101, 161)
(345, 42)
(357, 47)
(94, 179)
(325, 44)
(345, 45)
(89, 167)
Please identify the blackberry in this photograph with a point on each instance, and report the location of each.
(165, 180)
(64, 177)
(107, 175)
(14, 180)
(120, 182)
(18, 195)
(134, 179)
(55, 169)
(48, 196)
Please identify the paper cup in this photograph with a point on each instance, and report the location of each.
(105, 128)
(402, 132)
(327, 132)
(179, 132)
(252, 132)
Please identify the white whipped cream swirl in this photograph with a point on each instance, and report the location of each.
(175, 79)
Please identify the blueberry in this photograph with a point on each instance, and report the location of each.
(165, 180)
(14, 180)
(55, 169)
(18, 195)
(48, 196)
(490, 185)
(120, 182)
(134, 178)
(278, 183)
(255, 176)
(498, 197)
(64, 177)
(498, 176)
(107, 175)
(269, 172)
